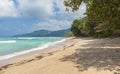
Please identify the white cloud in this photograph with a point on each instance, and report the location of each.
(53, 25)
(62, 19)
(51, 11)
(7, 8)
(36, 8)
(39, 9)
(27, 8)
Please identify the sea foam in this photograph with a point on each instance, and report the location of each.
(9, 41)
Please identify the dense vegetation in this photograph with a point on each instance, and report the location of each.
(102, 18)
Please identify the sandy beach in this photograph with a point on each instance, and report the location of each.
(75, 56)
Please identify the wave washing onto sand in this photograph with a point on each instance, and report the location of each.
(26, 38)
(31, 50)
(9, 41)
(29, 38)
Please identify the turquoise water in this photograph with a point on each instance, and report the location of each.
(13, 44)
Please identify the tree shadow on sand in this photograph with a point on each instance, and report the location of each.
(99, 58)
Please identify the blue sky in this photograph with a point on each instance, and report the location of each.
(24, 16)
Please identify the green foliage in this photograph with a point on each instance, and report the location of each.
(84, 27)
(102, 34)
(69, 34)
(102, 18)
(75, 28)
(80, 27)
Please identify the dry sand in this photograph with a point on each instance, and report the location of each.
(76, 56)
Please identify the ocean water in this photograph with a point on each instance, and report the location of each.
(14, 46)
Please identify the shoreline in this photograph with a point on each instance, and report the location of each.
(39, 49)
(59, 59)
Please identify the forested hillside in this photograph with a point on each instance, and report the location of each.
(45, 33)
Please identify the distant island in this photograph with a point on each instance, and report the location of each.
(45, 33)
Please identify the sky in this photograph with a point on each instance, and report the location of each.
(25, 16)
